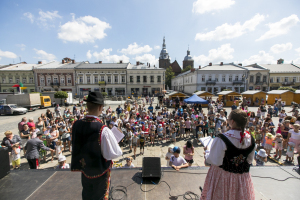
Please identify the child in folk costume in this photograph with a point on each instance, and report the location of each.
(230, 157)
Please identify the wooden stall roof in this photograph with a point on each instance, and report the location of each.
(253, 92)
(203, 92)
(228, 93)
(278, 91)
(177, 94)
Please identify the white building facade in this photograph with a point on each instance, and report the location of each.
(143, 80)
(185, 82)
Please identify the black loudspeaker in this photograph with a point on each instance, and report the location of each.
(4, 162)
(151, 167)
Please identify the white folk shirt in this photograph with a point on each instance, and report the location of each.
(110, 148)
(218, 147)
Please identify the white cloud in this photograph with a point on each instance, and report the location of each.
(43, 55)
(261, 58)
(7, 54)
(105, 56)
(228, 31)
(298, 51)
(83, 29)
(279, 48)
(223, 53)
(157, 47)
(30, 16)
(134, 49)
(88, 54)
(96, 46)
(21, 46)
(47, 18)
(147, 58)
(281, 27)
(203, 6)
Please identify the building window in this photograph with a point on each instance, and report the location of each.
(230, 78)
(217, 80)
(151, 79)
(96, 79)
(257, 79)
(236, 78)
(62, 80)
(123, 79)
(109, 79)
(3, 80)
(31, 90)
(278, 80)
(223, 78)
(102, 78)
(251, 79)
(24, 80)
(145, 79)
(96, 89)
(69, 80)
(286, 79)
(209, 78)
(294, 79)
(116, 79)
(264, 79)
(159, 79)
(203, 78)
(48, 80)
(42, 80)
(80, 79)
(31, 80)
(55, 80)
(191, 80)
(271, 80)
(88, 79)
(131, 79)
(10, 80)
(138, 79)
(17, 80)
(251, 88)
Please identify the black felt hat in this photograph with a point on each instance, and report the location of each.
(95, 97)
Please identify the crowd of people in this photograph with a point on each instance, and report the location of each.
(142, 124)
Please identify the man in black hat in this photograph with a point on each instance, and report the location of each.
(94, 146)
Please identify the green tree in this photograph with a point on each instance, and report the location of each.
(169, 76)
(287, 88)
(61, 95)
(186, 69)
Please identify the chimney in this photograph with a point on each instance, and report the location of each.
(240, 64)
(39, 62)
(100, 62)
(121, 61)
(63, 61)
(199, 66)
(137, 62)
(280, 61)
(210, 64)
(221, 63)
(73, 61)
(193, 69)
(147, 63)
(154, 66)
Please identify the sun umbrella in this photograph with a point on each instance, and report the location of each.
(16, 85)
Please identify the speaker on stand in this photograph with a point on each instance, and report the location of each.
(4, 162)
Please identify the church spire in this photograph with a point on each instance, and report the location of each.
(164, 53)
(164, 43)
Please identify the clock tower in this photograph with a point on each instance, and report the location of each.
(164, 59)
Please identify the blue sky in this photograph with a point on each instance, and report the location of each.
(257, 31)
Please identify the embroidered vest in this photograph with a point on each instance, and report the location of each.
(235, 159)
(86, 152)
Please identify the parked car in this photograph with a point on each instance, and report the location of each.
(12, 109)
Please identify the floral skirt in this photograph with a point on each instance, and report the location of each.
(220, 184)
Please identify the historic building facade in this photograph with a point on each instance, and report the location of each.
(188, 60)
(258, 78)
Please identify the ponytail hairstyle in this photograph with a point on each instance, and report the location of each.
(240, 118)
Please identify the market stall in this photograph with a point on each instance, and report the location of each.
(255, 97)
(286, 97)
(229, 98)
(204, 95)
(297, 97)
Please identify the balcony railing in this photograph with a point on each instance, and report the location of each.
(288, 83)
(211, 82)
(55, 84)
(239, 82)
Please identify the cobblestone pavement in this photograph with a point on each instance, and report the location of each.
(158, 150)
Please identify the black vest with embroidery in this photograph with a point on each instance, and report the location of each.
(86, 149)
(235, 159)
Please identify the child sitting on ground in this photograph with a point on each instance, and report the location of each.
(260, 157)
(15, 153)
(278, 145)
(176, 161)
(62, 163)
